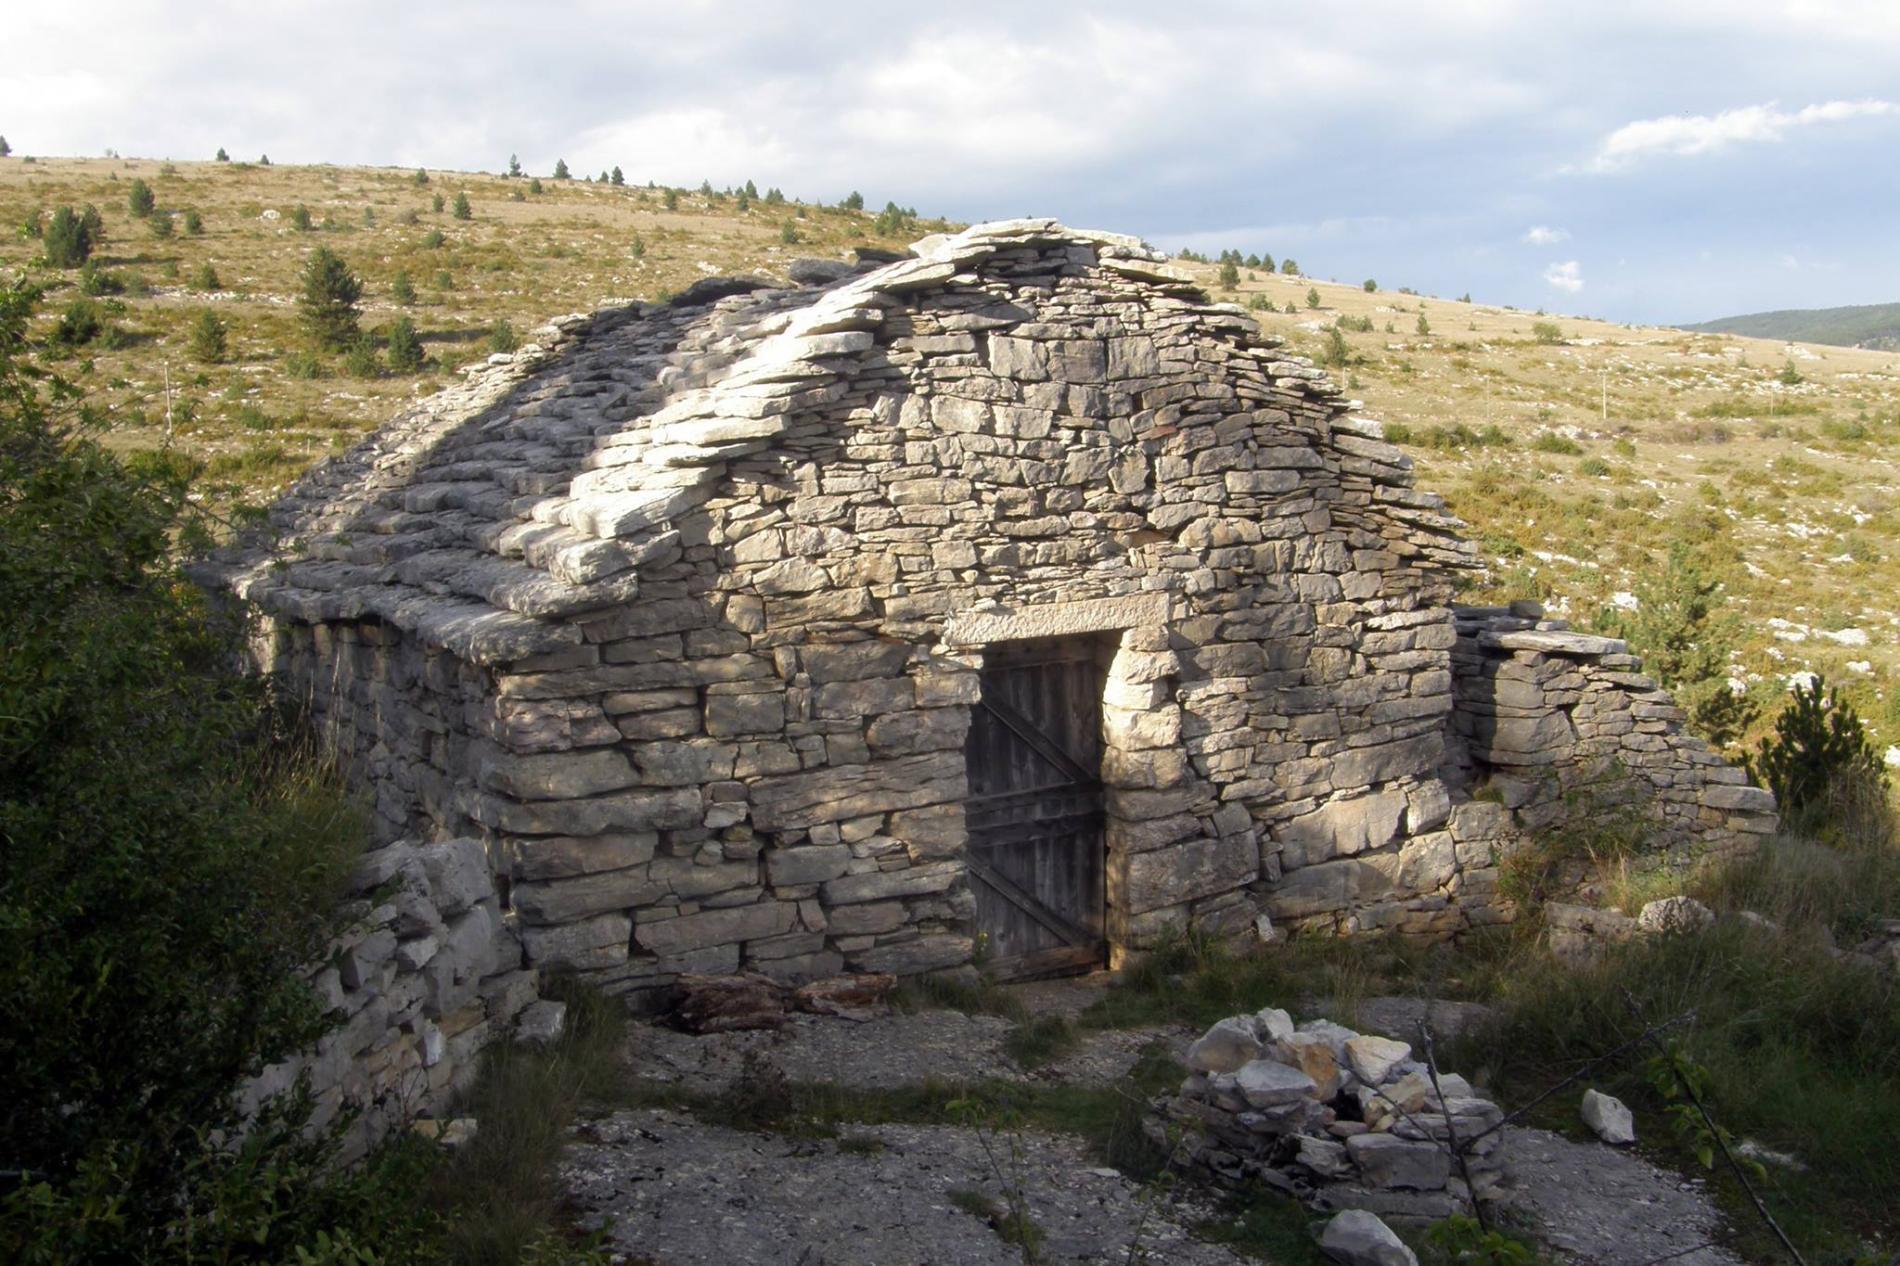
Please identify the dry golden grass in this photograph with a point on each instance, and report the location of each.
(1615, 440)
(1575, 461)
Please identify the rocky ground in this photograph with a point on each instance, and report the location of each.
(679, 1190)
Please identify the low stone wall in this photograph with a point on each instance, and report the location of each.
(426, 974)
(1545, 713)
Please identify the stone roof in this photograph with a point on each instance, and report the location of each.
(479, 518)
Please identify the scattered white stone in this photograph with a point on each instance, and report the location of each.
(1358, 1238)
(449, 1134)
(1273, 1024)
(1268, 934)
(1675, 914)
(1373, 1059)
(1230, 1045)
(1264, 1083)
(1608, 1116)
(1749, 1149)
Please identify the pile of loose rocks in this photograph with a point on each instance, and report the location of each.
(1338, 1119)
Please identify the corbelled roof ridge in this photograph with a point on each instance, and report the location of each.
(536, 489)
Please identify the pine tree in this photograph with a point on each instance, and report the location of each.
(670, 199)
(194, 223)
(328, 302)
(206, 278)
(139, 199)
(437, 203)
(222, 156)
(1289, 268)
(462, 210)
(71, 236)
(1312, 296)
(159, 222)
(5, 149)
(403, 290)
(1370, 286)
(534, 184)
(1424, 327)
(853, 201)
(263, 160)
(619, 177)
(421, 177)
(300, 218)
(1229, 275)
(560, 169)
(209, 341)
(514, 165)
(1266, 263)
(403, 348)
(744, 203)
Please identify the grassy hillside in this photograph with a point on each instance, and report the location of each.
(1875, 325)
(1577, 449)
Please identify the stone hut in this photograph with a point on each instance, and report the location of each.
(1008, 603)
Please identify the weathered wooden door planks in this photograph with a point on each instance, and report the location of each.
(1035, 810)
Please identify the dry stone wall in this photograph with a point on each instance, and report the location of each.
(425, 974)
(683, 610)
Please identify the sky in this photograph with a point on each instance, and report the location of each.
(1661, 161)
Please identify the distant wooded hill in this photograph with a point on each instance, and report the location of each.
(1874, 325)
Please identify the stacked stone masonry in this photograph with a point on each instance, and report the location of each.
(682, 610)
(425, 974)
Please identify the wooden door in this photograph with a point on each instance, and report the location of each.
(1034, 754)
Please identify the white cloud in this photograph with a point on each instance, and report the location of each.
(1688, 134)
(1543, 235)
(1567, 276)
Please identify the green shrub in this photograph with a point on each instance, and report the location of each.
(560, 169)
(361, 358)
(303, 365)
(160, 223)
(1312, 296)
(1551, 442)
(194, 224)
(300, 218)
(98, 282)
(1595, 467)
(139, 200)
(853, 201)
(670, 199)
(1684, 640)
(404, 349)
(1818, 744)
(618, 178)
(422, 178)
(1229, 275)
(206, 278)
(403, 290)
(82, 322)
(327, 300)
(534, 184)
(222, 157)
(1289, 268)
(1546, 332)
(167, 870)
(463, 211)
(788, 233)
(1423, 326)
(69, 239)
(1370, 286)
(209, 338)
(502, 337)
(437, 203)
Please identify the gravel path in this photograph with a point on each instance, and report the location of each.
(680, 1191)
(683, 1193)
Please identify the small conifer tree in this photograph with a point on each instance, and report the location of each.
(139, 199)
(534, 184)
(1229, 275)
(560, 169)
(744, 203)
(1371, 286)
(1289, 268)
(403, 350)
(5, 149)
(1266, 262)
(403, 290)
(300, 218)
(437, 203)
(222, 156)
(514, 166)
(1312, 296)
(670, 199)
(1424, 327)
(327, 303)
(263, 160)
(1292, 308)
(159, 222)
(462, 209)
(69, 238)
(421, 177)
(853, 201)
(194, 224)
(206, 278)
(619, 177)
(209, 338)
(788, 233)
